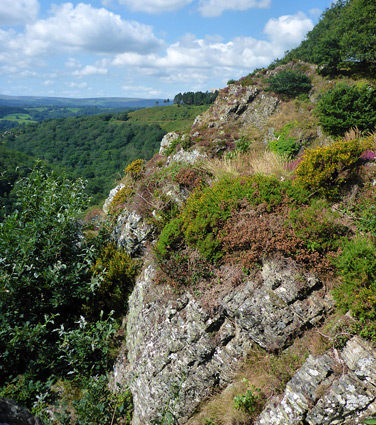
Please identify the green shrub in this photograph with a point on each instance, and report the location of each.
(357, 293)
(345, 107)
(206, 211)
(318, 226)
(285, 145)
(98, 403)
(247, 81)
(325, 169)
(248, 402)
(289, 83)
(118, 272)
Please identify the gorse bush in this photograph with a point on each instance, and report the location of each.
(120, 198)
(324, 169)
(135, 169)
(345, 107)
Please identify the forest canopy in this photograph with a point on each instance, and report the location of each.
(95, 148)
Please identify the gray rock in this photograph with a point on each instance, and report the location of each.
(167, 140)
(13, 414)
(110, 197)
(189, 157)
(173, 342)
(132, 232)
(328, 390)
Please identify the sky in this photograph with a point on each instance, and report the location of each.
(143, 48)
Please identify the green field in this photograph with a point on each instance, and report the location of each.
(169, 118)
(18, 117)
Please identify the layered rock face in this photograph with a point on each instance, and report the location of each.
(174, 343)
(336, 388)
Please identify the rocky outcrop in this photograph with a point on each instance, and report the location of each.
(336, 388)
(243, 105)
(188, 157)
(13, 414)
(132, 232)
(111, 196)
(167, 140)
(174, 342)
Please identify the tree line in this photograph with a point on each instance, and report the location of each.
(195, 98)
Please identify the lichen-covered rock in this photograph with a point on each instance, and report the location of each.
(173, 342)
(243, 105)
(132, 232)
(167, 140)
(329, 390)
(13, 414)
(189, 157)
(111, 196)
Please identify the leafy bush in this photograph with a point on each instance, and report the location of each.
(345, 107)
(325, 169)
(117, 271)
(98, 403)
(357, 293)
(46, 284)
(248, 402)
(289, 83)
(285, 145)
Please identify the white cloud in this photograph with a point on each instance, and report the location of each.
(243, 52)
(73, 63)
(141, 90)
(211, 8)
(196, 61)
(95, 30)
(48, 83)
(287, 31)
(14, 12)
(155, 6)
(90, 70)
(73, 85)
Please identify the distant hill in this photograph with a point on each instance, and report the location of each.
(103, 102)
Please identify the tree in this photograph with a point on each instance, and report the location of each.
(358, 25)
(44, 271)
(289, 83)
(346, 107)
(343, 38)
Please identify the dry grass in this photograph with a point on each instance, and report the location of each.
(221, 408)
(267, 371)
(257, 161)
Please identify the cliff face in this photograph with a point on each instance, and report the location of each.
(175, 340)
(184, 345)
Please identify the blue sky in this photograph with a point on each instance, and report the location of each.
(143, 48)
